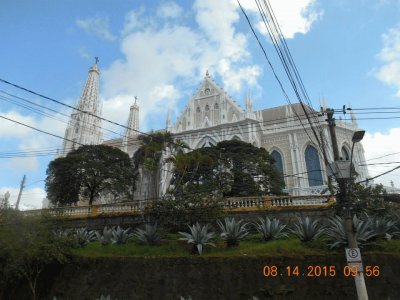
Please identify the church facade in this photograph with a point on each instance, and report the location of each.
(211, 116)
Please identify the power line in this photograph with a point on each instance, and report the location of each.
(384, 173)
(77, 109)
(270, 64)
(382, 163)
(322, 145)
(42, 131)
(69, 106)
(47, 108)
(390, 154)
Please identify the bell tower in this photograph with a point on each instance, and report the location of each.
(84, 127)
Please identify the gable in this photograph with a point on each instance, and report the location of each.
(209, 106)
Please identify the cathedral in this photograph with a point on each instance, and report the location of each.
(211, 116)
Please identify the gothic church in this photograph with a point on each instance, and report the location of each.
(211, 116)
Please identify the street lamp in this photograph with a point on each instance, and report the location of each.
(349, 226)
(357, 137)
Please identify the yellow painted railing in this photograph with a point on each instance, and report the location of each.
(231, 204)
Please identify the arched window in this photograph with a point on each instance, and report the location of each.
(198, 109)
(216, 106)
(278, 161)
(345, 154)
(207, 108)
(313, 166)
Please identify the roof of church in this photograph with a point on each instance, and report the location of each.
(114, 142)
(278, 113)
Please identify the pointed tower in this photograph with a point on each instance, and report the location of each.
(249, 104)
(84, 128)
(169, 125)
(353, 118)
(133, 125)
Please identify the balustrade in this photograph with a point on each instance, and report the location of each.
(229, 203)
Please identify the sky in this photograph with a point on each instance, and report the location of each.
(347, 52)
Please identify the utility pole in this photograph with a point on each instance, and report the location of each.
(345, 201)
(20, 192)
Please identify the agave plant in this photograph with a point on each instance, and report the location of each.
(232, 231)
(307, 229)
(383, 227)
(148, 235)
(270, 229)
(198, 236)
(106, 237)
(121, 236)
(62, 233)
(338, 236)
(84, 236)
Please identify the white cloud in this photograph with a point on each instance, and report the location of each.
(31, 198)
(158, 57)
(135, 20)
(293, 16)
(99, 26)
(379, 144)
(9, 129)
(389, 72)
(29, 139)
(169, 10)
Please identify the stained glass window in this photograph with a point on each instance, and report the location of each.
(313, 166)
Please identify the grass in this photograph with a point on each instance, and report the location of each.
(390, 246)
(172, 247)
(252, 245)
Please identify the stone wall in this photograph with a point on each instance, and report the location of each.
(219, 278)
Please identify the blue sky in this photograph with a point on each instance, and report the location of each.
(347, 52)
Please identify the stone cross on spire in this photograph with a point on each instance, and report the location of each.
(96, 59)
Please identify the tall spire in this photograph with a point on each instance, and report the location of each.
(353, 118)
(249, 103)
(84, 127)
(169, 126)
(133, 124)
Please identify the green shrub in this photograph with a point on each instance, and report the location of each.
(336, 232)
(270, 229)
(121, 236)
(106, 237)
(384, 228)
(149, 235)
(199, 237)
(232, 231)
(83, 236)
(307, 229)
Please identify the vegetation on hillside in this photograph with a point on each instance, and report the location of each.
(27, 246)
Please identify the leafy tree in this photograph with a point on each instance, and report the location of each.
(203, 176)
(89, 171)
(370, 199)
(231, 168)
